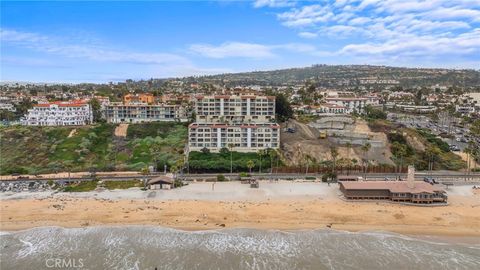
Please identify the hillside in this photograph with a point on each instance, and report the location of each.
(36, 150)
(349, 76)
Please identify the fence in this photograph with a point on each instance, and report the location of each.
(340, 169)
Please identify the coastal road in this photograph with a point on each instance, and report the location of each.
(442, 176)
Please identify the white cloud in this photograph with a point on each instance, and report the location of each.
(308, 35)
(156, 64)
(453, 13)
(295, 47)
(359, 21)
(305, 16)
(247, 50)
(463, 44)
(57, 46)
(233, 49)
(274, 3)
(384, 28)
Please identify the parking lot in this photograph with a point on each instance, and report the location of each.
(448, 128)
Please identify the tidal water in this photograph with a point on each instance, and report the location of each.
(143, 247)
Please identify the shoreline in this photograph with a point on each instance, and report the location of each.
(280, 206)
(408, 230)
(194, 215)
(431, 238)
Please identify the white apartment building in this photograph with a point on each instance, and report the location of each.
(7, 107)
(321, 110)
(243, 137)
(411, 107)
(328, 109)
(465, 109)
(72, 113)
(235, 109)
(142, 113)
(352, 104)
(246, 122)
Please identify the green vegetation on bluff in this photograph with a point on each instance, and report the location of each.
(241, 162)
(155, 144)
(84, 186)
(428, 151)
(36, 150)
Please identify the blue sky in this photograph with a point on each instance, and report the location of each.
(71, 41)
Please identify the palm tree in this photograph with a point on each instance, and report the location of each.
(308, 161)
(180, 164)
(349, 147)
(155, 150)
(475, 148)
(468, 152)
(334, 154)
(432, 153)
(250, 165)
(279, 155)
(399, 151)
(230, 147)
(260, 153)
(365, 148)
(273, 154)
(145, 171)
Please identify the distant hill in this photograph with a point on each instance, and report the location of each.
(349, 76)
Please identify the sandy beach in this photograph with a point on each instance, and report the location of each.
(284, 205)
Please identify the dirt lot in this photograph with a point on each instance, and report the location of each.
(305, 141)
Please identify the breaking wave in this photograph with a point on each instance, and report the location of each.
(144, 247)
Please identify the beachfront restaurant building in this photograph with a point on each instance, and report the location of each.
(398, 191)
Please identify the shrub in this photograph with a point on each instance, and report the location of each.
(221, 178)
(82, 186)
(431, 138)
(329, 176)
(178, 183)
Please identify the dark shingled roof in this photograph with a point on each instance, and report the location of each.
(395, 187)
(162, 179)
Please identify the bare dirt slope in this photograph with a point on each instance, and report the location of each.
(121, 130)
(305, 141)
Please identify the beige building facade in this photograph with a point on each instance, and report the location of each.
(244, 122)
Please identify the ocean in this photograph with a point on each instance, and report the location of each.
(144, 247)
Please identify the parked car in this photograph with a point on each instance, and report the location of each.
(429, 180)
(454, 148)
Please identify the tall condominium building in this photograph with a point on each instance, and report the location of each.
(246, 122)
(235, 109)
(72, 113)
(142, 112)
(243, 137)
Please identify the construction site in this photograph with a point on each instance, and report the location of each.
(314, 141)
